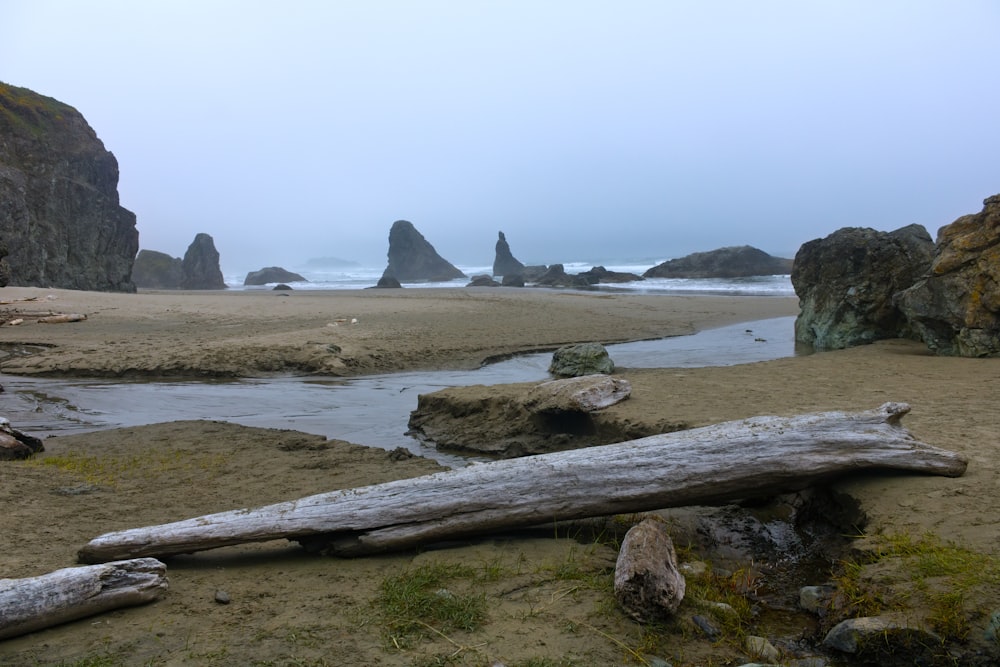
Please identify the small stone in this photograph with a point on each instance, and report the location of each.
(705, 626)
(222, 597)
(760, 647)
(816, 599)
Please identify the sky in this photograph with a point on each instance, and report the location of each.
(585, 131)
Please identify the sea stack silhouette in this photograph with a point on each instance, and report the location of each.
(413, 259)
(504, 263)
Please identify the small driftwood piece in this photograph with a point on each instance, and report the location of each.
(60, 318)
(727, 461)
(65, 595)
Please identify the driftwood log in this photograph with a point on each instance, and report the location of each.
(727, 461)
(65, 595)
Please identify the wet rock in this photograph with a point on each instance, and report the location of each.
(483, 281)
(647, 584)
(413, 259)
(586, 393)
(504, 262)
(516, 280)
(955, 307)
(281, 287)
(846, 282)
(272, 274)
(556, 276)
(599, 274)
(582, 359)
(729, 262)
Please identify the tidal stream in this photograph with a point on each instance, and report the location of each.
(369, 410)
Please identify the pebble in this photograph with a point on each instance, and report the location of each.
(222, 597)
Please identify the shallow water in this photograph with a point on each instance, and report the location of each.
(371, 410)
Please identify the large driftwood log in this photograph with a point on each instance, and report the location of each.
(737, 459)
(65, 595)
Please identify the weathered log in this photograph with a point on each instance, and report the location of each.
(62, 317)
(648, 585)
(65, 595)
(738, 459)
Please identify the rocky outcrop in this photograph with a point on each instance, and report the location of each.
(272, 274)
(200, 267)
(955, 307)
(387, 282)
(556, 276)
(846, 281)
(483, 281)
(59, 210)
(731, 262)
(413, 259)
(599, 274)
(504, 262)
(157, 270)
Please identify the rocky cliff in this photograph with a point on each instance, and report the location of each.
(59, 212)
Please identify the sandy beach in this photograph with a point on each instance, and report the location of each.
(548, 599)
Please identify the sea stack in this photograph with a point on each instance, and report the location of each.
(413, 259)
(504, 263)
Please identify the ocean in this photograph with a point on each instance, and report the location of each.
(360, 277)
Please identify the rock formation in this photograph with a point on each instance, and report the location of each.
(955, 307)
(387, 282)
(272, 274)
(413, 259)
(157, 270)
(201, 265)
(846, 281)
(730, 262)
(504, 262)
(556, 276)
(581, 359)
(599, 274)
(59, 211)
(483, 281)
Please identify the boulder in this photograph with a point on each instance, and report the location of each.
(157, 270)
(504, 262)
(890, 639)
(730, 262)
(581, 359)
(599, 274)
(513, 281)
(846, 281)
(955, 307)
(556, 276)
(483, 281)
(272, 274)
(533, 272)
(647, 583)
(281, 287)
(413, 259)
(59, 210)
(200, 267)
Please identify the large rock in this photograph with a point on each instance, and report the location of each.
(157, 270)
(556, 276)
(648, 585)
(15, 445)
(200, 266)
(955, 307)
(730, 262)
(59, 209)
(413, 259)
(846, 281)
(581, 359)
(504, 262)
(599, 274)
(272, 274)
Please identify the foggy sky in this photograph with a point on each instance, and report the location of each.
(586, 131)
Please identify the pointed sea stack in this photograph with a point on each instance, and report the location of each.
(200, 266)
(504, 263)
(413, 259)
